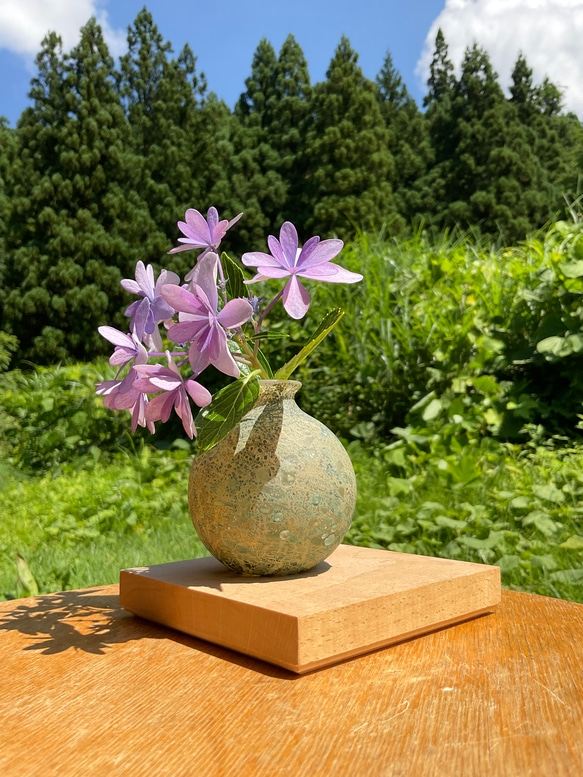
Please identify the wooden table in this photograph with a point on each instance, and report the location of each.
(87, 689)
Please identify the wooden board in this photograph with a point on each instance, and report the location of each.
(358, 600)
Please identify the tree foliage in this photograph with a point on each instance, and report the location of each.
(104, 162)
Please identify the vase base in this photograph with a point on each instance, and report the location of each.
(358, 600)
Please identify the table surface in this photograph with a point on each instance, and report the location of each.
(88, 689)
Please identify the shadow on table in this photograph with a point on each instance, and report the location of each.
(94, 622)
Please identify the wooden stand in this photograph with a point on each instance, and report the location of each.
(358, 600)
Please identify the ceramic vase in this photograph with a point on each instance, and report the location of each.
(277, 494)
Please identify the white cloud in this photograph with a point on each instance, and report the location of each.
(24, 23)
(548, 32)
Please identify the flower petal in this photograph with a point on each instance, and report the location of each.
(206, 278)
(296, 299)
(254, 258)
(182, 300)
(201, 396)
(288, 238)
(185, 331)
(130, 286)
(116, 337)
(235, 313)
(197, 226)
(322, 252)
(145, 278)
(160, 407)
(277, 251)
(322, 272)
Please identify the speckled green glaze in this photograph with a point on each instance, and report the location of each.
(277, 494)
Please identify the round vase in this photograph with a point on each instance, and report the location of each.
(277, 494)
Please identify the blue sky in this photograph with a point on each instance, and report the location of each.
(548, 31)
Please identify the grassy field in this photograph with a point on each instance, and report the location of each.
(455, 381)
(519, 510)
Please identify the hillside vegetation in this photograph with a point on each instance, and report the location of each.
(454, 380)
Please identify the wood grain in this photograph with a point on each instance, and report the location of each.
(87, 689)
(357, 600)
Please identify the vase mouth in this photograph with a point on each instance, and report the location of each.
(276, 390)
(276, 381)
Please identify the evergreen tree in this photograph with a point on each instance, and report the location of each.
(7, 156)
(486, 172)
(557, 140)
(162, 101)
(256, 175)
(289, 124)
(409, 141)
(78, 225)
(349, 162)
(441, 77)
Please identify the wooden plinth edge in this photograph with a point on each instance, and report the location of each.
(359, 600)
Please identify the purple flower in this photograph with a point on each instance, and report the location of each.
(127, 347)
(286, 260)
(149, 311)
(202, 233)
(175, 393)
(201, 323)
(121, 394)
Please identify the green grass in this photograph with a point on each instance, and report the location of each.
(515, 507)
(455, 377)
(79, 528)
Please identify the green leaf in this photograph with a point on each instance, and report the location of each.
(234, 275)
(227, 408)
(571, 269)
(550, 493)
(508, 563)
(432, 410)
(493, 539)
(450, 523)
(270, 335)
(329, 322)
(234, 347)
(546, 561)
(25, 577)
(573, 543)
(262, 358)
(569, 576)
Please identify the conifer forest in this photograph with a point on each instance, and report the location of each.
(106, 160)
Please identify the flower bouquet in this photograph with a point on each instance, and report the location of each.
(212, 318)
(274, 490)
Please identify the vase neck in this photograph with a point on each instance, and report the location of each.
(277, 390)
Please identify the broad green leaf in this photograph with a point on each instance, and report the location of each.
(493, 539)
(546, 561)
(572, 269)
(329, 322)
(228, 407)
(550, 493)
(546, 525)
(573, 543)
(235, 278)
(408, 435)
(399, 486)
(569, 576)
(450, 523)
(432, 410)
(508, 563)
